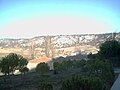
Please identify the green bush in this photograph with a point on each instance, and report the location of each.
(42, 67)
(24, 70)
(80, 83)
(45, 86)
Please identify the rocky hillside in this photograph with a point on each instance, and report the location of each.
(60, 40)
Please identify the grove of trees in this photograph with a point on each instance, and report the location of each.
(97, 71)
(109, 50)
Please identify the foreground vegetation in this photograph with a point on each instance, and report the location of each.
(94, 73)
(90, 74)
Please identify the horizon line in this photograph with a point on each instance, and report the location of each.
(57, 35)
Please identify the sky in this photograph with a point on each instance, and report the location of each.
(30, 18)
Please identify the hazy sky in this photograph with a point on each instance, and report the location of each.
(29, 18)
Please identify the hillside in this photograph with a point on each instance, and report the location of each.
(83, 41)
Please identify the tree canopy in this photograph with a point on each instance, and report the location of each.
(101, 69)
(110, 50)
(42, 67)
(12, 62)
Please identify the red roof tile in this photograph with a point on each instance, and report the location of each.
(38, 60)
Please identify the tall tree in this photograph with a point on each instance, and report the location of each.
(12, 62)
(111, 50)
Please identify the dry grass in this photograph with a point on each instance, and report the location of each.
(39, 53)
